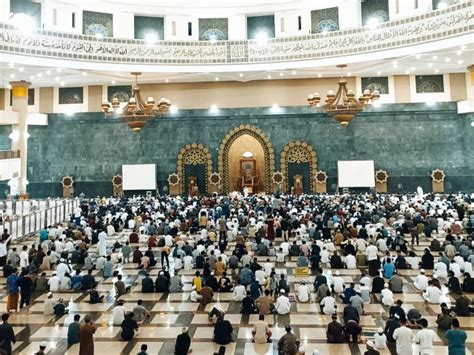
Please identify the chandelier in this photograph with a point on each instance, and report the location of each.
(136, 112)
(343, 105)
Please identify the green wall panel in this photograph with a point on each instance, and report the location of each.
(406, 140)
(97, 23)
(213, 29)
(375, 9)
(27, 7)
(145, 25)
(257, 24)
(379, 82)
(325, 20)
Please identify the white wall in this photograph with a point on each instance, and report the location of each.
(31, 108)
(430, 97)
(237, 27)
(70, 108)
(124, 25)
(290, 19)
(63, 17)
(181, 27)
(407, 8)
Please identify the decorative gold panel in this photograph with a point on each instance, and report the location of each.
(298, 152)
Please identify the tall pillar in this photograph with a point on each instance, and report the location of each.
(20, 131)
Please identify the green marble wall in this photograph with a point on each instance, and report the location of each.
(27, 7)
(5, 142)
(145, 25)
(257, 24)
(97, 23)
(375, 9)
(325, 20)
(406, 140)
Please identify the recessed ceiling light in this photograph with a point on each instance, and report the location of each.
(379, 73)
(11, 65)
(412, 68)
(113, 82)
(459, 52)
(56, 78)
(395, 64)
(447, 60)
(48, 72)
(434, 57)
(293, 72)
(418, 56)
(12, 75)
(349, 74)
(269, 77)
(430, 64)
(62, 83)
(436, 70)
(320, 75)
(84, 73)
(32, 77)
(58, 70)
(281, 74)
(166, 80)
(39, 75)
(217, 78)
(460, 61)
(463, 47)
(241, 75)
(407, 72)
(21, 69)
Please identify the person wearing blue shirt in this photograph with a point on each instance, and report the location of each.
(76, 280)
(43, 234)
(12, 288)
(388, 269)
(348, 293)
(246, 276)
(108, 267)
(456, 339)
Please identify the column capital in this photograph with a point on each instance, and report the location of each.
(20, 88)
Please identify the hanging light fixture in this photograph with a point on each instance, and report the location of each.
(137, 111)
(343, 105)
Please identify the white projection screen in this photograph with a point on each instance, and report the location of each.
(356, 173)
(139, 177)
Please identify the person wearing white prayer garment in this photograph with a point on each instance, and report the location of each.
(387, 296)
(282, 305)
(303, 292)
(432, 294)
(338, 283)
(440, 270)
(421, 282)
(102, 244)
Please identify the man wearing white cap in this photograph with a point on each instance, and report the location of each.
(387, 296)
(303, 292)
(380, 339)
(338, 283)
(282, 305)
(421, 281)
(370, 348)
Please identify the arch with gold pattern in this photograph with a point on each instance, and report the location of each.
(298, 152)
(226, 143)
(193, 154)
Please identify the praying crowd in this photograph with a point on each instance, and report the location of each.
(377, 272)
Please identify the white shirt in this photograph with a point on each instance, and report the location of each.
(61, 269)
(329, 305)
(425, 338)
(454, 267)
(268, 269)
(403, 336)
(3, 249)
(195, 297)
(303, 293)
(24, 259)
(188, 262)
(351, 262)
(338, 284)
(421, 282)
(283, 305)
(54, 283)
(285, 248)
(371, 252)
(387, 297)
(380, 341)
(239, 293)
(440, 270)
(118, 314)
(260, 276)
(432, 294)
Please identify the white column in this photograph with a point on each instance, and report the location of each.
(20, 131)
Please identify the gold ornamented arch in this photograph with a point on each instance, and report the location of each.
(226, 143)
(193, 154)
(298, 152)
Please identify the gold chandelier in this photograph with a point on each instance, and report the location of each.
(343, 105)
(136, 112)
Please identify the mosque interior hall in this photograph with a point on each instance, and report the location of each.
(239, 177)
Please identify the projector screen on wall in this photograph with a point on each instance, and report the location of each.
(139, 177)
(356, 173)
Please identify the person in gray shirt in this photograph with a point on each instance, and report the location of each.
(176, 284)
(396, 283)
(140, 312)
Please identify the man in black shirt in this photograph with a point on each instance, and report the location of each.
(223, 332)
(183, 343)
(7, 336)
(147, 284)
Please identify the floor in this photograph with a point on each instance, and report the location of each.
(170, 312)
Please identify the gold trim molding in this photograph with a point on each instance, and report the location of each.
(298, 152)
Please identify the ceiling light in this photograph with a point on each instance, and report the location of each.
(418, 56)
(460, 61)
(241, 75)
(434, 57)
(39, 75)
(113, 82)
(12, 75)
(395, 64)
(58, 70)
(21, 69)
(214, 108)
(9, 86)
(11, 65)
(166, 80)
(48, 72)
(463, 47)
(32, 77)
(84, 73)
(379, 73)
(293, 72)
(281, 74)
(447, 60)
(269, 77)
(62, 83)
(430, 64)
(151, 38)
(56, 78)
(261, 37)
(320, 75)
(459, 52)
(373, 23)
(412, 68)
(407, 72)
(349, 74)
(217, 78)
(436, 70)
(173, 109)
